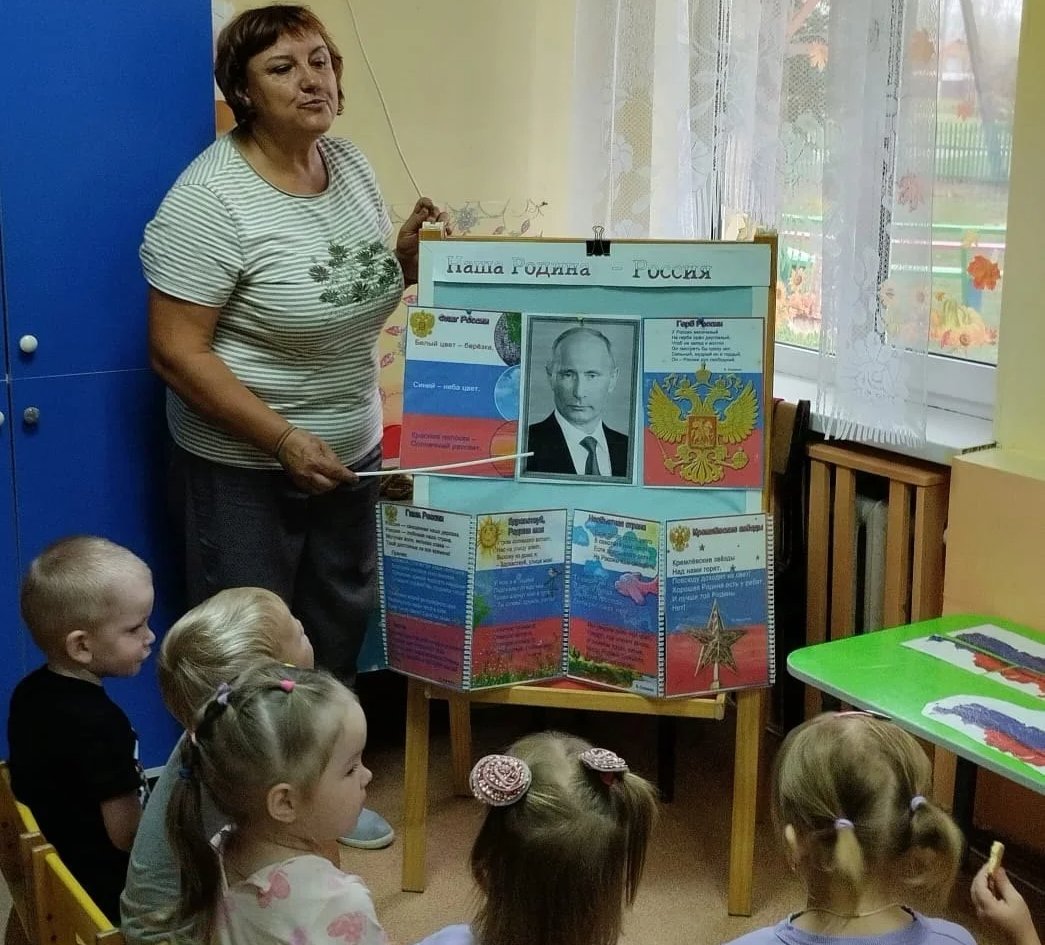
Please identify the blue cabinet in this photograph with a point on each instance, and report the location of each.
(13, 641)
(103, 106)
(93, 462)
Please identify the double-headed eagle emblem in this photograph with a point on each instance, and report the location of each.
(721, 413)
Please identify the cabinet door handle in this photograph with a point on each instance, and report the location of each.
(30, 415)
(28, 343)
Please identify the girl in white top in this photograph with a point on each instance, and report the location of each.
(280, 752)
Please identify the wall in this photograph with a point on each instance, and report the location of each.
(1019, 418)
(996, 520)
(478, 91)
(997, 508)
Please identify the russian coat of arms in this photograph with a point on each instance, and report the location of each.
(706, 418)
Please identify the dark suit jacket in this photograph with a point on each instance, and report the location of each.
(552, 455)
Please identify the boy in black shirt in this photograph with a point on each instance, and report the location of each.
(86, 602)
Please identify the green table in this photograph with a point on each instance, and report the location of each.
(874, 671)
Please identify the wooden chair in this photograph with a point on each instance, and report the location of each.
(67, 915)
(18, 833)
(28, 846)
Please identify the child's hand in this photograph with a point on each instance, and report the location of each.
(998, 902)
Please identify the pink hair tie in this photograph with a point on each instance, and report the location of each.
(287, 685)
(500, 780)
(918, 801)
(843, 823)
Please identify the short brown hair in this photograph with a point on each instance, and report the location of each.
(873, 777)
(215, 642)
(254, 31)
(70, 586)
(560, 864)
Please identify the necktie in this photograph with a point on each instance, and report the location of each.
(591, 465)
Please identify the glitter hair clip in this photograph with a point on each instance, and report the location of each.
(843, 823)
(607, 764)
(500, 780)
(287, 685)
(918, 801)
(222, 695)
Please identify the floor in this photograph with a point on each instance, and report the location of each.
(683, 896)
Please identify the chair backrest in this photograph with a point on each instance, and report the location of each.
(18, 833)
(30, 844)
(68, 916)
(26, 819)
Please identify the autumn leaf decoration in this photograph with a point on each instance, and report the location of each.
(922, 48)
(818, 56)
(910, 191)
(984, 272)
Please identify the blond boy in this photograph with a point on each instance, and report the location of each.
(74, 754)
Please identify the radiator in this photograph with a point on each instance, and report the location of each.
(851, 585)
(872, 516)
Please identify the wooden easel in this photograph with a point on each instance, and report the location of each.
(745, 761)
(749, 711)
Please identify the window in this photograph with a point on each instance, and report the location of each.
(978, 45)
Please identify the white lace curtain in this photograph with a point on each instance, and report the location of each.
(703, 118)
(676, 111)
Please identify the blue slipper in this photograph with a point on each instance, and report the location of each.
(372, 832)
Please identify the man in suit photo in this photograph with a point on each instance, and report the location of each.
(572, 439)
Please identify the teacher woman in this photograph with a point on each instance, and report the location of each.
(270, 279)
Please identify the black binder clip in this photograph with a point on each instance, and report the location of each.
(598, 246)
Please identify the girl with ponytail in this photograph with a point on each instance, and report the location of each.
(279, 750)
(562, 850)
(850, 797)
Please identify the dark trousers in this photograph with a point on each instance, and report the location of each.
(255, 528)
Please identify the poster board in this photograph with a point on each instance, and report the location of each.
(666, 310)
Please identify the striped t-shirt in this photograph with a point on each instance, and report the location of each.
(304, 284)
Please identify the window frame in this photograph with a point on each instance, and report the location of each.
(965, 387)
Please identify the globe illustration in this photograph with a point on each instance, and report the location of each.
(502, 443)
(507, 337)
(506, 394)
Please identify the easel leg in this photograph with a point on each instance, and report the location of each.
(461, 743)
(745, 792)
(415, 787)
